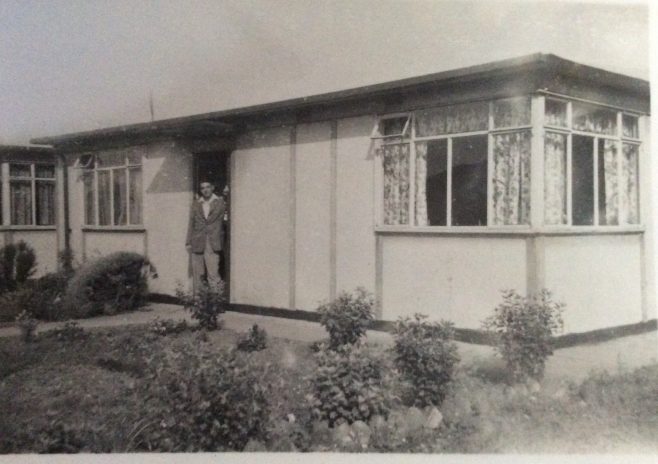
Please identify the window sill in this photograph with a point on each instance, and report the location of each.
(113, 229)
(28, 228)
(523, 231)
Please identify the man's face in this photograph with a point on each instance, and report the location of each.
(206, 190)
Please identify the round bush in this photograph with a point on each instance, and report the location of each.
(347, 317)
(108, 285)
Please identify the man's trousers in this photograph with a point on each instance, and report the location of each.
(208, 263)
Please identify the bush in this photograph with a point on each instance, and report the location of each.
(523, 328)
(347, 317)
(69, 332)
(167, 326)
(17, 264)
(28, 326)
(204, 401)
(206, 306)
(42, 297)
(347, 385)
(254, 340)
(107, 285)
(426, 355)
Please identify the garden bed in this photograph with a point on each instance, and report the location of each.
(93, 393)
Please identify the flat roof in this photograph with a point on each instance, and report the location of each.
(25, 149)
(214, 122)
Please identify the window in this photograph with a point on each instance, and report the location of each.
(590, 166)
(32, 194)
(112, 186)
(466, 164)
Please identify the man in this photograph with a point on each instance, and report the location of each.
(205, 236)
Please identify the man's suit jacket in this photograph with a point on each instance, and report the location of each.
(201, 227)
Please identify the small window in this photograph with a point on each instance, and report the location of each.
(511, 112)
(630, 127)
(392, 126)
(469, 117)
(556, 113)
(591, 118)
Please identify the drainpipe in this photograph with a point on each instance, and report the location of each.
(65, 189)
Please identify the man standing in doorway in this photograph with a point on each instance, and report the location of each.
(205, 236)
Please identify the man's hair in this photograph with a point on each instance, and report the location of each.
(206, 182)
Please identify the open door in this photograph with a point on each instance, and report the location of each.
(213, 167)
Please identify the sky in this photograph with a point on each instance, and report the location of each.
(75, 65)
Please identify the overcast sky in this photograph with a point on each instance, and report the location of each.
(68, 66)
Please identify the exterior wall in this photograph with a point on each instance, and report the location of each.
(312, 215)
(597, 277)
(261, 219)
(44, 243)
(450, 277)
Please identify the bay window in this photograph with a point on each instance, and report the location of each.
(470, 164)
(112, 189)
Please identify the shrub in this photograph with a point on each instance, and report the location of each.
(42, 297)
(28, 326)
(204, 401)
(17, 264)
(114, 283)
(347, 317)
(426, 355)
(523, 328)
(206, 306)
(254, 340)
(167, 326)
(347, 385)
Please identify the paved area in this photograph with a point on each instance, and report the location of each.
(573, 363)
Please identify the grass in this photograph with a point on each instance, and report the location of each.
(87, 395)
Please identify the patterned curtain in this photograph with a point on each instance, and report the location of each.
(45, 203)
(511, 178)
(135, 195)
(610, 210)
(555, 178)
(421, 184)
(630, 213)
(452, 119)
(21, 203)
(396, 183)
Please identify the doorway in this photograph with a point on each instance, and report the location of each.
(214, 167)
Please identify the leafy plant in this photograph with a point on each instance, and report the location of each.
(347, 385)
(167, 326)
(28, 326)
(114, 283)
(347, 317)
(17, 264)
(204, 401)
(69, 332)
(523, 329)
(205, 306)
(254, 340)
(42, 297)
(426, 355)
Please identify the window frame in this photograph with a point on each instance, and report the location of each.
(33, 180)
(91, 167)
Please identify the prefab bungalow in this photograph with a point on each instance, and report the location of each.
(434, 193)
(28, 202)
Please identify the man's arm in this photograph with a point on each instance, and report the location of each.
(188, 239)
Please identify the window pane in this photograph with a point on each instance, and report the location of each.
(20, 170)
(392, 126)
(511, 178)
(45, 203)
(630, 127)
(396, 183)
(556, 113)
(630, 192)
(21, 203)
(590, 118)
(90, 198)
(45, 171)
(582, 182)
(452, 119)
(511, 112)
(608, 188)
(120, 197)
(135, 199)
(110, 159)
(104, 205)
(469, 181)
(134, 157)
(432, 183)
(555, 178)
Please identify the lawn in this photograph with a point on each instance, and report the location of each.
(95, 392)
